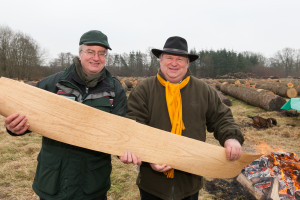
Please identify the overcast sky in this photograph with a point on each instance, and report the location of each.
(260, 26)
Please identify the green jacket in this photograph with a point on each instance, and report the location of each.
(201, 110)
(69, 172)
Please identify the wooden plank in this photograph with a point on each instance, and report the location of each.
(71, 122)
(243, 180)
(274, 193)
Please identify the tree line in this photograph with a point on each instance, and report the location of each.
(22, 58)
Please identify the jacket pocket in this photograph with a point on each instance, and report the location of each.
(102, 103)
(97, 176)
(47, 174)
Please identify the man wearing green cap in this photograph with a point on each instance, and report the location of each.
(65, 171)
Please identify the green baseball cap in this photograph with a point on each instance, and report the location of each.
(94, 37)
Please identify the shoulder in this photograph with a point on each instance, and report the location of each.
(114, 82)
(49, 81)
(146, 84)
(145, 87)
(148, 81)
(196, 82)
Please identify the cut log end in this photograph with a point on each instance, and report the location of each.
(276, 103)
(291, 93)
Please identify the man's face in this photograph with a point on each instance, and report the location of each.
(92, 59)
(174, 67)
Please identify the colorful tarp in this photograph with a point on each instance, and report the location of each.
(292, 104)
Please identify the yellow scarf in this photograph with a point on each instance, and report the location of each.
(174, 104)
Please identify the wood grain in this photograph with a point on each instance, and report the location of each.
(71, 122)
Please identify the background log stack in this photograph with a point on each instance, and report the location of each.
(279, 89)
(267, 101)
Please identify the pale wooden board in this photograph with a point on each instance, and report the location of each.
(242, 179)
(71, 122)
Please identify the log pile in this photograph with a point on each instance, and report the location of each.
(267, 101)
(257, 92)
(281, 90)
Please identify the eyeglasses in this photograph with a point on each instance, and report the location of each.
(91, 53)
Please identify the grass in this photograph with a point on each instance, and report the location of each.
(18, 155)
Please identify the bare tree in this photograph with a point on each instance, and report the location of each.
(63, 61)
(6, 35)
(285, 59)
(19, 54)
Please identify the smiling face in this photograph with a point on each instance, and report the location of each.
(92, 59)
(174, 67)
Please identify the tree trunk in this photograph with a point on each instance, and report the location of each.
(263, 100)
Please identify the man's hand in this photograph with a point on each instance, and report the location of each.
(233, 149)
(160, 168)
(16, 123)
(130, 158)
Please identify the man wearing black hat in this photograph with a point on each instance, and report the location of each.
(176, 101)
(65, 171)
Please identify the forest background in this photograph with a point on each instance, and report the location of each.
(21, 57)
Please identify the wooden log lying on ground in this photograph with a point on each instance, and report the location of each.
(280, 90)
(62, 119)
(263, 100)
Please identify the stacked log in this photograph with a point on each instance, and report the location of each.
(281, 90)
(265, 100)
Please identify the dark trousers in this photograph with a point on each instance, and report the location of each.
(148, 196)
(103, 197)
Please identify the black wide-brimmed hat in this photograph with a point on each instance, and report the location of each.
(175, 45)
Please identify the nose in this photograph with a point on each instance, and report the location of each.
(174, 62)
(96, 57)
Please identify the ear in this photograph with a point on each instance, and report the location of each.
(160, 59)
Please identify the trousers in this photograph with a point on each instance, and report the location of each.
(147, 196)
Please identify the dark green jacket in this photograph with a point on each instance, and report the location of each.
(69, 172)
(202, 109)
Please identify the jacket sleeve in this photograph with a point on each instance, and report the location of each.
(220, 120)
(13, 134)
(120, 100)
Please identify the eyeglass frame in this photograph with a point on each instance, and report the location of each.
(92, 53)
